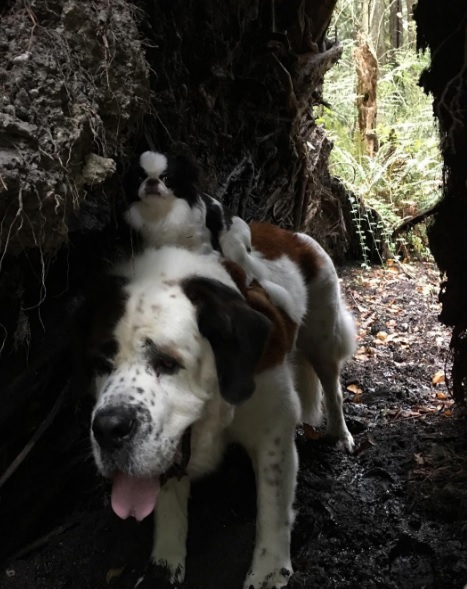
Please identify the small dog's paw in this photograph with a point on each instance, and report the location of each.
(161, 576)
(275, 580)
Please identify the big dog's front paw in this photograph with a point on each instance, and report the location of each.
(162, 576)
(272, 580)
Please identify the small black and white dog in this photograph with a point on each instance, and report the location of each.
(171, 211)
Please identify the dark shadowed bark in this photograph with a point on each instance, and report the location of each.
(241, 102)
(444, 33)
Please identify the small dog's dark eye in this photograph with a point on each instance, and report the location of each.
(166, 180)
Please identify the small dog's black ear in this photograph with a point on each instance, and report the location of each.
(187, 168)
(237, 334)
(132, 179)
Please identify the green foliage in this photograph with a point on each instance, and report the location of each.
(404, 177)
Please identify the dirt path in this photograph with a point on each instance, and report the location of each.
(393, 515)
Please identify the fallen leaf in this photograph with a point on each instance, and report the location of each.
(441, 395)
(439, 377)
(427, 409)
(382, 335)
(113, 574)
(408, 413)
(353, 388)
(310, 432)
(364, 353)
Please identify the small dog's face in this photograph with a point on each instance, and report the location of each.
(167, 177)
(157, 183)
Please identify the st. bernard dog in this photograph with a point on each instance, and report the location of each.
(186, 356)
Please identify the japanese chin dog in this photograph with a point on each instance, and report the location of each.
(171, 211)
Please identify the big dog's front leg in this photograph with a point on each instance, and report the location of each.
(170, 533)
(171, 527)
(275, 463)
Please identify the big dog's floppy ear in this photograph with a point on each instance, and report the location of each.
(94, 345)
(237, 334)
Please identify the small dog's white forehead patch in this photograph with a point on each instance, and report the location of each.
(153, 163)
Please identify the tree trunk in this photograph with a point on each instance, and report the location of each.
(366, 66)
(411, 30)
(377, 29)
(444, 32)
(365, 18)
(395, 27)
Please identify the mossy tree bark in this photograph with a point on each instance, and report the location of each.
(366, 65)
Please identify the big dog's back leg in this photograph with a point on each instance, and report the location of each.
(325, 340)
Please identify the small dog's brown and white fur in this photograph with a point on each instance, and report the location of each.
(178, 342)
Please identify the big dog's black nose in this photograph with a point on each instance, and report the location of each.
(113, 426)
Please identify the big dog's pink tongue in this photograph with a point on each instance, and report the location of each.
(133, 496)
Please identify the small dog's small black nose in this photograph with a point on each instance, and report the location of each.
(152, 184)
(113, 426)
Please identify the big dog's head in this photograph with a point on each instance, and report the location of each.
(170, 333)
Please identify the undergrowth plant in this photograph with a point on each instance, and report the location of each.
(403, 178)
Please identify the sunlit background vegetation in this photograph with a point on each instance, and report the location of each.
(403, 177)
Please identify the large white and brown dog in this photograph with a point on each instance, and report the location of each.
(184, 353)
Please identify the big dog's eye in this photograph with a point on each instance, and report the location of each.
(160, 360)
(166, 365)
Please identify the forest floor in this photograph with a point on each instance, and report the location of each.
(392, 515)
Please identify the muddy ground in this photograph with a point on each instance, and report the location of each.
(393, 515)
